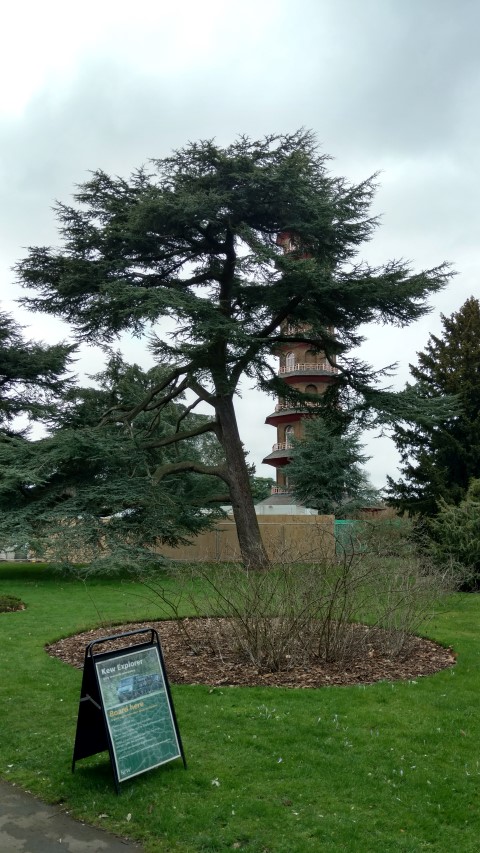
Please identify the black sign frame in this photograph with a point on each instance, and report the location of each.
(93, 733)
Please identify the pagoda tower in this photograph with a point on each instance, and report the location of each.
(304, 369)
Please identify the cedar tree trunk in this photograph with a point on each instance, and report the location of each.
(248, 531)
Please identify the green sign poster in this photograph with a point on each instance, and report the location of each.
(137, 710)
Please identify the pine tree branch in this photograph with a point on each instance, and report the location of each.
(196, 467)
(211, 426)
(187, 412)
(264, 333)
(167, 398)
(217, 499)
(120, 414)
(200, 391)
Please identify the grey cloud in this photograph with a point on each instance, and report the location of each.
(385, 84)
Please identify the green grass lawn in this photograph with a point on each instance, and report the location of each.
(392, 766)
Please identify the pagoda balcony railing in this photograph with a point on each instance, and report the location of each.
(309, 366)
(279, 490)
(292, 329)
(294, 407)
(282, 445)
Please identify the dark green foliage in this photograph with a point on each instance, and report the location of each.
(325, 472)
(456, 536)
(195, 238)
(440, 457)
(261, 487)
(8, 603)
(32, 375)
(89, 489)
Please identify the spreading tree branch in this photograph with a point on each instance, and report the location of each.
(196, 467)
(266, 332)
(118, 414)
(211, 426)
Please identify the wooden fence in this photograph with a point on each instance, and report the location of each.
(286, 537)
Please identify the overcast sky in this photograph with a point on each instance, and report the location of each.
(389, 85)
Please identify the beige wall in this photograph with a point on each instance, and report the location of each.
(305, 538)
(286, 537)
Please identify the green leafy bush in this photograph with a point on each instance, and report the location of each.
(456, 537)
(10, 602)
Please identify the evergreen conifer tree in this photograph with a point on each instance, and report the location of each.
(440, 458)
(194, 238)
(87, 490)
(326, 472)
(32, 375)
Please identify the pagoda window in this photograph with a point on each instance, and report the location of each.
(289, 435)
(290, 361)
(311, 389)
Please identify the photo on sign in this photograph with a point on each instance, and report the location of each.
(129, 677)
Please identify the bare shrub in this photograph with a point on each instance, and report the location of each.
(301, 612)
(403, 583)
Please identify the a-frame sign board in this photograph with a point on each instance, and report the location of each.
(126, 707)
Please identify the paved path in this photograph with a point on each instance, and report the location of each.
(29, 826)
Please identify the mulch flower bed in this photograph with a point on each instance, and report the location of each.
(203, 666)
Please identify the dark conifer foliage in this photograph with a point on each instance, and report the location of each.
(326, 470)
(440, 459)
(32, 375)
(193, 237)
(87, 491)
